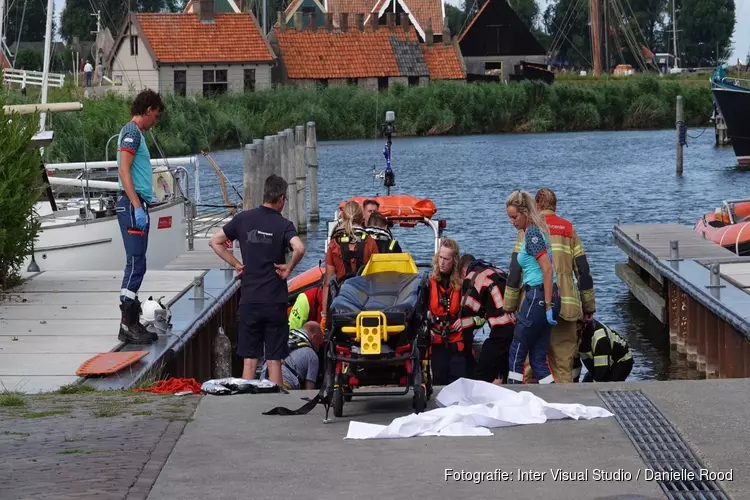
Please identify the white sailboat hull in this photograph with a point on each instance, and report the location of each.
(96, 245)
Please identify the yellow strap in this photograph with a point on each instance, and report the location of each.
(393, 244)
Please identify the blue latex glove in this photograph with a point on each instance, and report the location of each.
(141, 219)
(550, 319)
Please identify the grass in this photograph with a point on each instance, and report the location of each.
(22, 434)
(143, 413)
(75, 389)
(42, 414)
(70, 452)
(109, 409)
(10, 399)
(193, 124)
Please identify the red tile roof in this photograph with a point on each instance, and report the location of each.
(352, 54)
(427, 9)
(444, 61)
(182, 38)
(323, 54)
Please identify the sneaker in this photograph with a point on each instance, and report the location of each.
(131, 329)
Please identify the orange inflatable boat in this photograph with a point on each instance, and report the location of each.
(728, 226)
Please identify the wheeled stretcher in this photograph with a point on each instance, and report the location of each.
(379, 334)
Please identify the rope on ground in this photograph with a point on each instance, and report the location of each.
(172, 386)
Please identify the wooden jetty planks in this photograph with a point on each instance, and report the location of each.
(655, 238)
(68, 317)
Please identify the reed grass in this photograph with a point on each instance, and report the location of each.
(193, 124)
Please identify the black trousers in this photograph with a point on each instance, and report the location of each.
(617, 373)
(448, 364)
(493, 360)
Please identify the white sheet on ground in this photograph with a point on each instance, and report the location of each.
(472, 408)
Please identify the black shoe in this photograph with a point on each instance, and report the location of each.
(131, 329)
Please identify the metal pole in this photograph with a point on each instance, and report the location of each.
(715, 274)
(45, 74)
(674, 249)
(679, 124)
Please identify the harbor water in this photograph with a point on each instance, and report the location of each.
(599, 178)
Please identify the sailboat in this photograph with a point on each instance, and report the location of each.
(85, 234)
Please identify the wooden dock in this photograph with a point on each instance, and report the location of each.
(697, 288)
(56, 320)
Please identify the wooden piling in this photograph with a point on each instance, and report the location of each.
(282, 172)
(680, 122)
(312, 170)
(249, 177)
(301, 177)
(291, 175)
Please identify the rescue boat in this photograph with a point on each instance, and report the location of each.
(728, 226)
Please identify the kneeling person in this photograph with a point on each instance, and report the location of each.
(300, 368)
(605, 354)
(447, 340)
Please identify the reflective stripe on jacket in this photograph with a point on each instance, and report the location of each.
(569, 260)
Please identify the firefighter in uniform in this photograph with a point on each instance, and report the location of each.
(605, 354)
(350, 248)
(569, 260)
(378, 229)
(447, 340)
(307, 307)
(483, 288)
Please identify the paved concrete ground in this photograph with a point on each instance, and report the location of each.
(56, 320)
(95, 445)
(232, 449)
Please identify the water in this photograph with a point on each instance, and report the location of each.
(598, 177)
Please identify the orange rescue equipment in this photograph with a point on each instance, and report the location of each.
(399, 205)
(445, 305)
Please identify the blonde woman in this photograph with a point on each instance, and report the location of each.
(447, 340)
(350, 248)
(541, 304)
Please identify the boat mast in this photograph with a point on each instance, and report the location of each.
(45, 74)
(595, 40)
(674, 29)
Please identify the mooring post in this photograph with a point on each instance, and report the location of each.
(674, 250)
(680, 124)
(249, 177)
(260, 178)
(291, 156)
(312, 170)
(198, 292)
(301, 176)
(267, 158)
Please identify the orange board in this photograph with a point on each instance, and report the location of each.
(108, 363)
(399, 205)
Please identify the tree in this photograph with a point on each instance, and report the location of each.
(30, 18)
(527, 10)
(705, 31)
(76, 18)
(456, 18)
(20, 187)
(30, 60)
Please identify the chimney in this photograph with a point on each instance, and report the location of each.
(361, 22)
(344, 21)
(328, 21)
(206, 11)
(374, 21)
(390, 21)
(428, 32)
(281, 18)
(446, 32)
(405, 22)
(298, 21)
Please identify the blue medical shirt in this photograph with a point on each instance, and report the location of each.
(131, 139)
(534, 245)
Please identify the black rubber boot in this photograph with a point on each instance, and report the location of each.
(131, 329)
(152, 335)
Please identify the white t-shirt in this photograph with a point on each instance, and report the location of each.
(88, 68)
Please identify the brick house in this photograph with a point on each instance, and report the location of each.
(370, 56)
(199, 53)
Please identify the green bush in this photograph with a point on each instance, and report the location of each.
(347, 112)
(20, 188)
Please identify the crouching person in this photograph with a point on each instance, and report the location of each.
(448, 358)
(300, 368)
(605, 354)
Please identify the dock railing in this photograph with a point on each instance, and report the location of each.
(27, 77)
